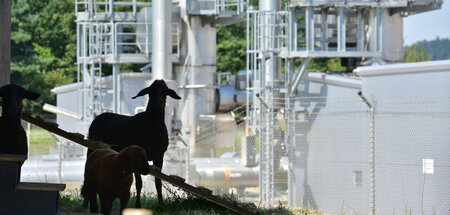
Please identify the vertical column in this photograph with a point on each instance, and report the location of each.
(200, 80)
(270, 75)
(324, 29)
(5, 41)
(116, 98)
(309, 28)
(162, 50)
(162, 39)
(361, 35)
(341, 29)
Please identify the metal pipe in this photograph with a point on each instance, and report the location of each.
(262, 101)
(298, 76)
(372, 152)
(116, 71)
(365, 99)
(162, 39)
(60, 111)
(341, 29)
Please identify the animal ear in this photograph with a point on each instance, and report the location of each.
(31, 95)
(143, 92)
(173, 94)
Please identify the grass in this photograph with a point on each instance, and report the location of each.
(189, 205)
(40, 141)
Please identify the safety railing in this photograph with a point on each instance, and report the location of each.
(216, 7)
(109, 6)
(113, 40)
(268, 30)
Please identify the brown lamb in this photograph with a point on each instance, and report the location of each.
(110, 175)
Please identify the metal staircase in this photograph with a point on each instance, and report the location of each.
(111, 32)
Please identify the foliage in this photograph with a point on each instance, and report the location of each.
(231, 48)
(43, 47)
(438, 48)
(416, 54)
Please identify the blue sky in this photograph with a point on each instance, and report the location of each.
(428, 25)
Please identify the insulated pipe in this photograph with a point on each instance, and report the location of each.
(161, 37)
(162, 50)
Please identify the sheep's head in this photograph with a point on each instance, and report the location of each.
(157, 93)
(12, 96)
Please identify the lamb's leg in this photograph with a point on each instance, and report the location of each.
(124, 199)
(159, 163)
(138, 183)
(106, 202)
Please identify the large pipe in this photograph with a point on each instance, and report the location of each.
(162, 50)
(161, 37)
(200, 76)
(392, 48)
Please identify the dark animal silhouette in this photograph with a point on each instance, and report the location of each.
(13, 136)
(146, 129)
(110, 174)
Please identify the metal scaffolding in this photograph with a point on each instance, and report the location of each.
(306, 29)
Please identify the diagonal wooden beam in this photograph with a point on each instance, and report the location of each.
(75, 137)
(155, 171)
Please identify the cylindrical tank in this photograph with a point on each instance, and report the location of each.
(392, 47)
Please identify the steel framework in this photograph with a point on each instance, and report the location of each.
(306, 29)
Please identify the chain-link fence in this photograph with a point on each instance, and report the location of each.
(337, 155)
(333, 154)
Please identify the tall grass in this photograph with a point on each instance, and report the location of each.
(189, 205)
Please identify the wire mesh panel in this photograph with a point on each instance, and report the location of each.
(329, 155)
(412, 160)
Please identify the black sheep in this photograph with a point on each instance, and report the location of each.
(13, 136)
(146, 129)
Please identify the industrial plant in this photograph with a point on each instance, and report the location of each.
(372, 140)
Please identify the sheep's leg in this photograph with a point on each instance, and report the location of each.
(159, 163)
(138, 183)
(124, 199)
(19, 170)
(93, 207)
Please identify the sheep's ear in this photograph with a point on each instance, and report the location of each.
(173, 94)
(31, 95)
(143, 92)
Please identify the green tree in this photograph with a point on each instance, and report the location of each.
(416, 54)
(43, 48)
(231, 48)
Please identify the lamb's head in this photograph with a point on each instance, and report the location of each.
(157, 93)
(12, 96)
(136, 159)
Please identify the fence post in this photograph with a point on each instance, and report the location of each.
(372, 152)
